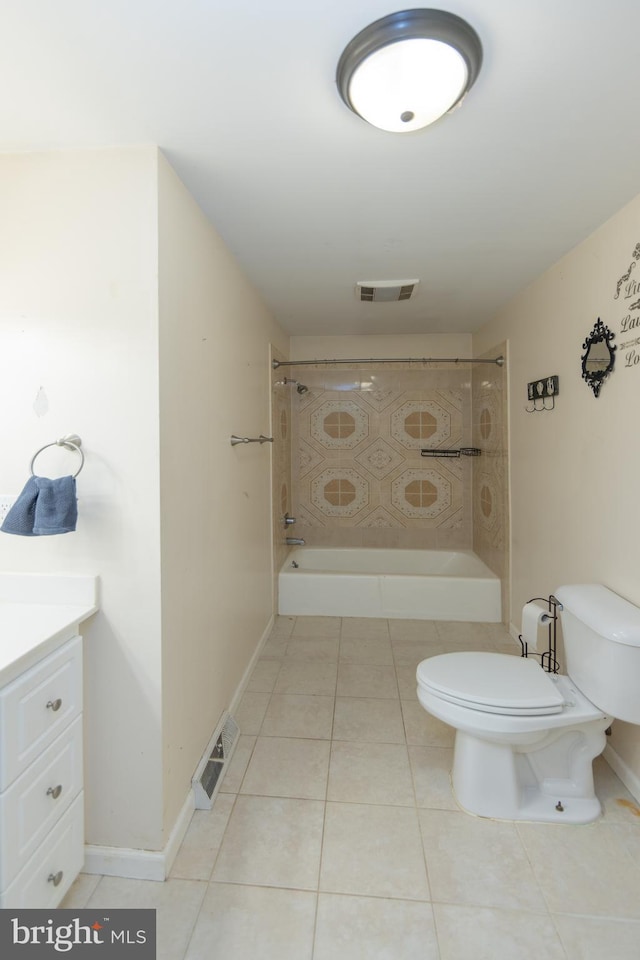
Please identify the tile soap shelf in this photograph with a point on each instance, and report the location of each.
(461, 452)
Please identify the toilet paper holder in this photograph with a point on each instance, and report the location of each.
(548, 659)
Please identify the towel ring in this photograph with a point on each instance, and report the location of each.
(71, 442)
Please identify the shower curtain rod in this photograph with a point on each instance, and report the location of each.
(299, 363)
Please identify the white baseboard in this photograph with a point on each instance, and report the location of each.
(235, 700)
(156, 864)
(630, 779)
(124, 862)
(180, 827)
(140, 864)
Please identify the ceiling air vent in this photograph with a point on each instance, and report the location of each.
(385, 291)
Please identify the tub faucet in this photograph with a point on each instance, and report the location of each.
(295, 542)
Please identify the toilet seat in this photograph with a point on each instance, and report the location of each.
(492, 683)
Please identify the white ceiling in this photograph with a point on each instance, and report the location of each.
(241, 96)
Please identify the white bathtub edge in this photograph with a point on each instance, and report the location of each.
(389, 595)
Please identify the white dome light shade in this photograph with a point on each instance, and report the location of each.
(405, 71)
(408, 85)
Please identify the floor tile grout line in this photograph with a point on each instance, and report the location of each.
(424, 855)
(196, 918)
(559, 935)
(546, 899)
(324, 822)
(417, 812)
(457, 903)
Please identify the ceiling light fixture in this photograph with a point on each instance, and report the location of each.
(403, 72)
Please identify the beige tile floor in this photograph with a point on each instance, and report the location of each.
(335, 835)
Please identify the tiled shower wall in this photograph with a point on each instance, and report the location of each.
(358, 478)
(280, 465)
(490, 484)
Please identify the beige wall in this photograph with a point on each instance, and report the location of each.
(78, 328)
(215, 498)
(120, 308)
(574, 470)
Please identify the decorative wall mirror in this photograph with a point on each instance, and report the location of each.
(598, 357)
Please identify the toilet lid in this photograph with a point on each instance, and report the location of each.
(492, 682)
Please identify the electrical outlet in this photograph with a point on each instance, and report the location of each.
(6, 502)
(547, 387)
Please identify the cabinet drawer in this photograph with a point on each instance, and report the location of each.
(32, 805)
(47, 876)
(36, 707)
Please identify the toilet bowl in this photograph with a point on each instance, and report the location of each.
(526, 739)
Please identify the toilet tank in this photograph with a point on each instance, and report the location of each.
(601, 633)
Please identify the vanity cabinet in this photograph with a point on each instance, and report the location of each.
(41, 780)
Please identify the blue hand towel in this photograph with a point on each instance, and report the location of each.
(56, 506)
(44, 507)
(21, 517)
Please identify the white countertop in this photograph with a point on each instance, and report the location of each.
(47, 611)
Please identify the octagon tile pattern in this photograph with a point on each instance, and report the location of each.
(420, 423)
(339, 424)
(339, 492)
(421, 494)
(486, 501)
(356, 459)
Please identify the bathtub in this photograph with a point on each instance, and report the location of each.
(394, 584)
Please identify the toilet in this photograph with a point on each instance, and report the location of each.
(526, 739)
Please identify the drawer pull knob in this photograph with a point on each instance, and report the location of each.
(54, 791)
(54, 704)
(55, 878)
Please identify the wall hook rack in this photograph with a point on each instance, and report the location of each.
(547, 403)
(542, 394)
(548, 659)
